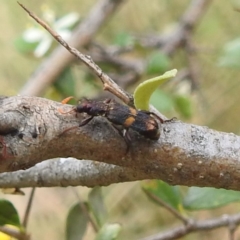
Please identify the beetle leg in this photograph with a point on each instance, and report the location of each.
(108, 100)
(155, 115)
(127, 136)
(66, 130)
(127, 139)
(118, 130)
(159, 118)
(124, 134)
(171, 119)
(61, 111)
(86, 121)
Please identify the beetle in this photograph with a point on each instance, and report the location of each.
(143, 122)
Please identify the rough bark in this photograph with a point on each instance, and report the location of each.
(31, 131)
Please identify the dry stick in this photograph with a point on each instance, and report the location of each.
(194, 70)
(45, 75)
(232, 227)
(169, 208)
(85, 210)
(108, 83)
(190, 18)
(82, 36)
(29, 205)
(201, 225)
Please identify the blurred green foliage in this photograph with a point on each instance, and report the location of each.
(94, 212)
(76, 224)
(171, 195)
(209, 198)
(215, 103)
(123, 39)
(231, 54)
(109, 232)
(158, 63)
(8, 214)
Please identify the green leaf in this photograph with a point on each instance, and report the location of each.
(231, 54)
(169, 194)
(144, 90)
(8, 214)
(109, 232)
(183, 105)
(97, 205)
(124, 39)
(65, 84)
(206, 198)
(162, 101)
(76, 223)
(24, 46)
(158, 63)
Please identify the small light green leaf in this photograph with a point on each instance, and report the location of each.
(76, 223)
(124, 39)
(24, 46)
(169, 194)
(144, 90)
(231, 54)
(162, 101)
(183, 105)
(109, 232)
(157, 63)
(97, 205)
(8, 214)
(206, 198)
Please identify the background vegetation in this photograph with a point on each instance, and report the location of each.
(214, 102)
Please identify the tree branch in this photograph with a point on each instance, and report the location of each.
(32, 127)
(185, 154)
(195, 226)
(65, 172)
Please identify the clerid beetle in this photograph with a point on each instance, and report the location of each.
(143, 122)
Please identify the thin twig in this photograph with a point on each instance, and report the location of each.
(29, 205)
(82, 35)
(232, 226)
(85, 210)
(108, 83)
(196, 226)
(169, 208)
(14, 233)
(169, 43)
